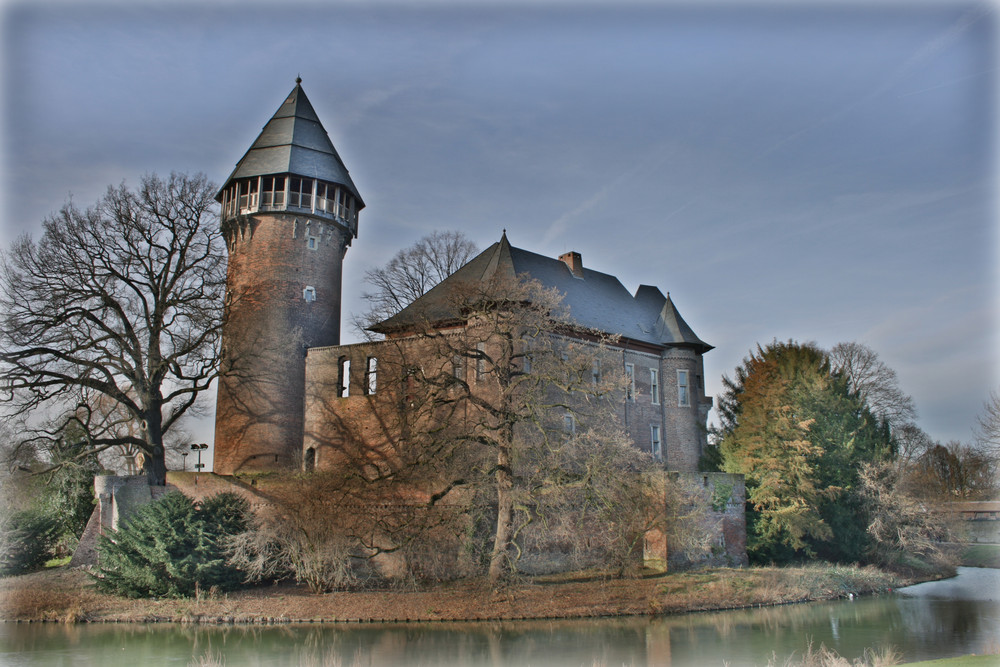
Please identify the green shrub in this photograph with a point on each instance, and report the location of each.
(172, 548)
(27, 539)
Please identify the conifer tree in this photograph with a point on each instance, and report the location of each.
(172, 548)
(800, 435)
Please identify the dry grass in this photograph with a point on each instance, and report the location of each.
(50, 595)
(824, 657)
(770, 586)
(61, 594)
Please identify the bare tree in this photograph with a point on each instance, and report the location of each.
(519, 406)
(874, 382)
(411, 272)
(121, 302)
(988, 424)
(900, 524)
(911, 443)
(955, 471)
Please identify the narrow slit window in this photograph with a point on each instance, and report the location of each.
(344, 377)
(654, 440)
(371, 375)
(629, 382)
(654, 386)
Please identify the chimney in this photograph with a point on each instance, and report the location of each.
(574, 262)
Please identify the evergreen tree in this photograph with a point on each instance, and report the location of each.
(799, 435)
(27, 539)
(171, 548)
(69, 492)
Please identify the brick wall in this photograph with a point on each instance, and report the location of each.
(270, 321)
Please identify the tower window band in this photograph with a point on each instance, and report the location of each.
(281, 192)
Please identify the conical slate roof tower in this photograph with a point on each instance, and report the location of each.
(289, 213)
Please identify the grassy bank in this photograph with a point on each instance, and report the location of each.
(65, 595)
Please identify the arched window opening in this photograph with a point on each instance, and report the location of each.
(310, 459)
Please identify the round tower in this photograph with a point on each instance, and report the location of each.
(289, 213)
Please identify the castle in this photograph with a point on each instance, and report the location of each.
(289, 392)
(291, 398)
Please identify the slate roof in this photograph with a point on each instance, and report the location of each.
(597, 300)
(294, 142)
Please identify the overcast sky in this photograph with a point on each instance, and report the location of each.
(817, 172)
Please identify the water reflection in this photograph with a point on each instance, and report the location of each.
(918, 623)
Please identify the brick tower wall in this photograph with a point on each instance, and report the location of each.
(270, 321)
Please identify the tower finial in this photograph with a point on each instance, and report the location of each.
(298, 79)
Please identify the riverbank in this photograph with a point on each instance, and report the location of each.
(68, 595)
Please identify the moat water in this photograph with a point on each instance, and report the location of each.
(933, 620)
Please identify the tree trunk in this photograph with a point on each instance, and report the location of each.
(156, 460)
(499, 560)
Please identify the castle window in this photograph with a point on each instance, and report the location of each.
(309, 294)
(480, 361)
(344, 377)
(458, 367)
(344, 204)
(683, 389)
(596, 372)
(654, 386)
(310, 459)
(300, 192)
(629, 382)
(311, 243)
(273, 191)
(569, 424)
(654, 440)
(371, 375)
(321, 200)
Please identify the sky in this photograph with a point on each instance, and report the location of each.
(820, 172)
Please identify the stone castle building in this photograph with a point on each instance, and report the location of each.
(289, 391)
(292, 398)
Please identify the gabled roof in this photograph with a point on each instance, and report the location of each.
(294, 141)
(597, 300)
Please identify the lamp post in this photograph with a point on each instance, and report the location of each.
(199, 448)
(184, 459)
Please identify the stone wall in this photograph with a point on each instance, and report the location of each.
(716, 504)
(118, 497)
